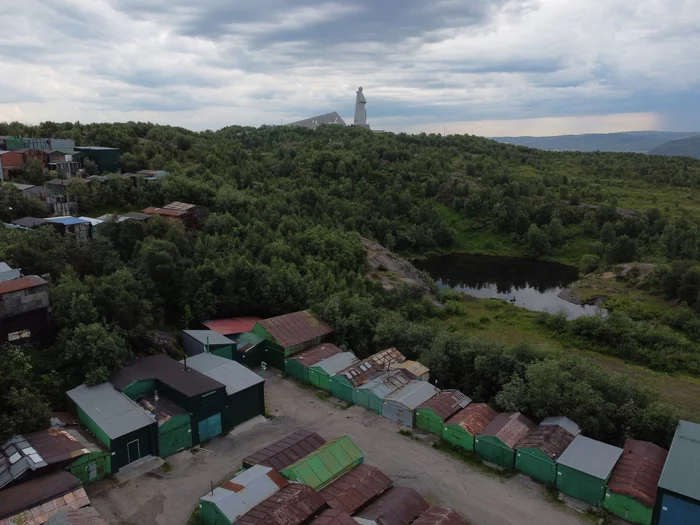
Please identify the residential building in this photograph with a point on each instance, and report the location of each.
(24, 306)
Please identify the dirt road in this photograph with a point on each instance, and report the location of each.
(168, 495)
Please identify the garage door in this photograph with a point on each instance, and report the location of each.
(675, 511)
(210, 427)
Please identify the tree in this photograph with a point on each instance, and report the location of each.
(34, 172)
(690, 286)
(91, 352)
(555, 232)
(537, 241)
(607, 233)
(622, 250)
(120, 299)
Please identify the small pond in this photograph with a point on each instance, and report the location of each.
(527, 283)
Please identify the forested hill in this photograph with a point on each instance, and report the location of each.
(288, 207)
(689, 147)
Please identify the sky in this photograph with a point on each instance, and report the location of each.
(485, 67)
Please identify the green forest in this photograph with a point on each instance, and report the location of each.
(287, 210)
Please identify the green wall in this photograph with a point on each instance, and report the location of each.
(148, 444)
(242, 406)
(580, 485)
(174, 435)
(458, 436)
(627, 508)
(319, 378)
(536, 464)
(93, 427)
(341, 388)
(495, 451)
(102, 462)
(223, 351)
(139, 389)
(428, 420)
(210, 514)
(296, 369)
(367, 399)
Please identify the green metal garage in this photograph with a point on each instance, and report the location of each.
(432, 414)
(320, 374)
(298, 365)
(584, 468)
(537, 453)
(496, 444)
(462, 428)
(371, 395)
(344, 383)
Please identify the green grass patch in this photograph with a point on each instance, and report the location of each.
(194, 517)
(323, 395)
(473, 460)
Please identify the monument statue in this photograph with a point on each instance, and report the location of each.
(360, 111)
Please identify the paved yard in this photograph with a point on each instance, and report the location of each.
(168, 495)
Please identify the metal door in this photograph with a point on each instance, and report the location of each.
(92, 471)
(210, 427)
(675, 511)
(133, 450)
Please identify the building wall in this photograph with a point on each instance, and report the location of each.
(139, 389)
(24, 301)
(211, 515)
(341, 388)
(319, 378)
(580, 485)
(627, 508)
(493, 450)
(457, 436)
(107, 160)
(296, 369)
(33, 324)
(94, 428)
(673, 509)
(147, 438)
(174, 435)
(368, 399)
(536, 464)
(97, 464)
(398, 413)
(428, 420)
(12, 162)
(244, 405)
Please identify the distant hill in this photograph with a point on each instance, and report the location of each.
(632, 141)
(689, 147)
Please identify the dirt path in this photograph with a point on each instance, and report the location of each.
(169, 497)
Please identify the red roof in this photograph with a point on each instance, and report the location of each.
(296, 328)
(286, 451)
(21, 283)
(164, 212)
(638, 471)
(474, 418)
(233, 325)
(316, 354)
(356, 488)
(553, 440)
(440, 516)
(446, 403)
(56, 445)
(333, 517)
(509, 427)
(397, 506)
(292, 505)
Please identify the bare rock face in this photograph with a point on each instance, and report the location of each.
(392, 270)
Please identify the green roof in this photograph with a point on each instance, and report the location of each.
(325, 464)
(681, 474)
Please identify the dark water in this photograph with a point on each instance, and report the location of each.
(534, 285)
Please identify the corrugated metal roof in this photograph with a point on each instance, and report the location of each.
(163, 212)
(68, 221)
(509, 427)
(385, 384)
(23, 283)
(325, 464)
(56, 445)
(292, 505)
(447, 403)
(165, 369)
(681, 473)
(333, 517)
(111, 410)
(591, 457)
(354, 489)
(287, 450)
(93, 222)
(638, 471)
(359, 373)
(316, 354)
(234, 375)
(176, 205)
(413, 394)
(563, 422)
(43, 490)
(250, 488)
(474, 419)
(17, 456)
(414, 367)
(29, 222)
(550, 439)
(336, 363)
(136, 216)
(397, 506)
(233, 325)
(214, 337)
(83, 516)
(440, 516)
(296, 328)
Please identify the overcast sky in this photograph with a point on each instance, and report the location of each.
(489, 67)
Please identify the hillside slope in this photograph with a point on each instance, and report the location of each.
(632, 142)
(689, 147)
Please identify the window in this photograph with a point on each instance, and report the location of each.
(21, 334)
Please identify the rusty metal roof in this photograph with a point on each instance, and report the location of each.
(440, 516)
(44, 490)
(287, 450)
(414, 367)
(354, 490)
(83, 516)
(295, 328)
(509, 427)
(165, 369)
(164, 212)
(447, 403)
(233, 325)
(333, 517)
(359, 374)
(56, 445)
(387, 383)
(22, 283)
(316, 354)
(474, 419)
(553, 440)
(397, 506)
(638, 471)
(176, 205)
(292, 505)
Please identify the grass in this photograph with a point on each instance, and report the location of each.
(323, 395)
(473, 460)
(194, 517)
(167, 467)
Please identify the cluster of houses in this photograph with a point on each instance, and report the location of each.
(302, 479)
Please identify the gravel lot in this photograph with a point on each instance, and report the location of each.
(169, 494)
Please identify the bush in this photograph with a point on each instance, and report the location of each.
(589, 263)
